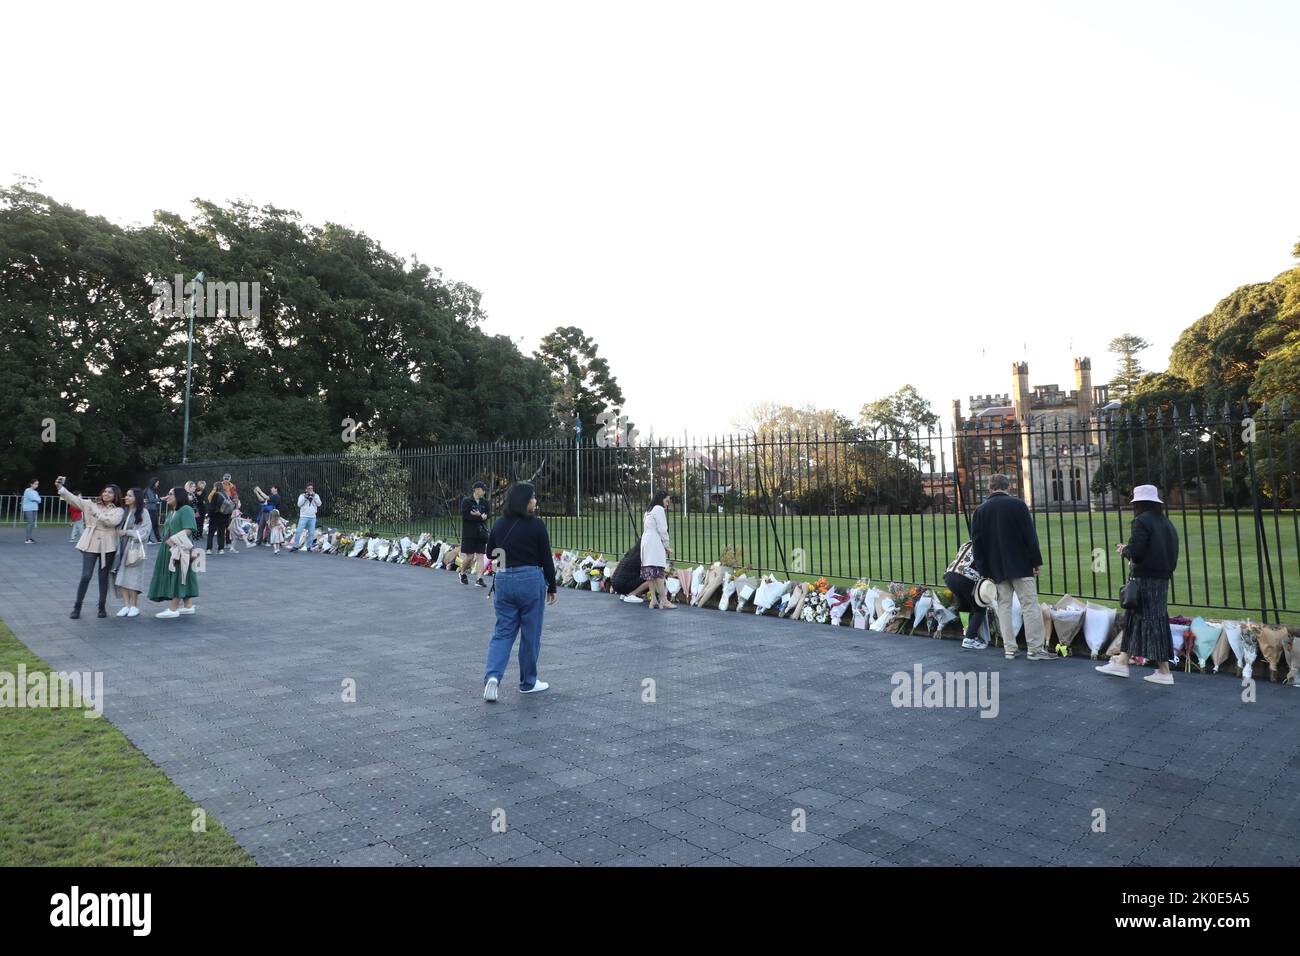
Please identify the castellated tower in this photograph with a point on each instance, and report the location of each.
(1083, 385)
(1020, 389)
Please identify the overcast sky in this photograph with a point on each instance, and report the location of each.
(796, 202)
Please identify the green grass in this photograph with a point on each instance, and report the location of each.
(76, 792)
(917, 548)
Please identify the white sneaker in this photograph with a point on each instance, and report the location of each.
(537, 688)
(1113, 669)
(133, 612)
(168, 613)
(629, 599)
(490, 690)
(124, 612)
(1159, 678)
(186, 610)
(209, 550)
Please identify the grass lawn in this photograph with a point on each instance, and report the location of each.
(76, 792)
(1218, 567)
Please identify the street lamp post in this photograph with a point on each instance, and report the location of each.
(189, 363)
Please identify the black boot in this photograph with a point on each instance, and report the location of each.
(102, 612)
(76, 612)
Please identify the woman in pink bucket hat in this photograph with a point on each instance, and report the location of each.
(1153, 551)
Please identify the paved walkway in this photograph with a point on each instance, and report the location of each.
(754, 725)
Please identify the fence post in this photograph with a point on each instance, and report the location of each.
(1259, 521)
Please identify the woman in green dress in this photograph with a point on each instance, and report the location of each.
(172, 563)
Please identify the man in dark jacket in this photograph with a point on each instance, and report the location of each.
(475, 511)
(1005, 547)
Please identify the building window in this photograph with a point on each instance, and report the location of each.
(1058, 485)
(1077, 485)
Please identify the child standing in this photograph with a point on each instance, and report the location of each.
(279, 531)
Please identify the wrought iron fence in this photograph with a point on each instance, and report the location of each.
(884, 506)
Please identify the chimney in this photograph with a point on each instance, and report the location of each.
(1083, 385)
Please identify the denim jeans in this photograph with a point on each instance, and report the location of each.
(31, 525)
(308, 528)
(78, 527)
(520, 602)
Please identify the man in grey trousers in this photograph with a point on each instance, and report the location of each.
(1006, 551)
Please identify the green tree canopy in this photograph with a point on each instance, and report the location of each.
(346, 330)
(1130, 371)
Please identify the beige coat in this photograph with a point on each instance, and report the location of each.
(654, 538)
(100, 536)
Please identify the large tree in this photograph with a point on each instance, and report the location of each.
(907, 418)
(1129, 371)
(582, 382)
(347, 333)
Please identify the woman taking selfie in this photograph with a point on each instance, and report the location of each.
(98, 544)
(131, 564)
(173, 578)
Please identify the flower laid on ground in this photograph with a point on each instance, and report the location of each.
(817, 608)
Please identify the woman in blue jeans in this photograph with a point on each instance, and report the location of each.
(523, 584)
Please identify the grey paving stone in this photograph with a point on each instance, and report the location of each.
(250, 724)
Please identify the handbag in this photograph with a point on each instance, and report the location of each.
(1128, 595)
(134, 550)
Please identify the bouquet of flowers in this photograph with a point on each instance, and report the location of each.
(684, 577)
(793, 600)
(697, 584)
(746, 588)
(1098, 621)
(713, 580)
(859, 606)
(816, 605)
(1177, 631)
(886, 608)
(568, 565)
(1249, 650)
(905, 600)
(769, 592)
(732, 584)
(839, 604)
(582, 570)
(942, 612)
(1067, 619)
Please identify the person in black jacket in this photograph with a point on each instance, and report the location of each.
(1005, 548)
(153, 504)
(523, 584)
(474, 513)
(1153, 550)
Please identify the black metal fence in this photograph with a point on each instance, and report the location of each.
(883, 507)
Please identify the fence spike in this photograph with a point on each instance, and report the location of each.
(1286, 409)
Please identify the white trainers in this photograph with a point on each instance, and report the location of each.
(133, 612)
(124, 612)
(186, 610)
(490, 690)
(1113, 669)
(169, 613)
(537, 688)
(1159, 678)
(629, 599)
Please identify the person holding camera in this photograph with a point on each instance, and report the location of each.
(220, 507)
(308, 503)
(98, 544)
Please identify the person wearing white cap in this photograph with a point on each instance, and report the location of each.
(1005, 547)
(1153, 550)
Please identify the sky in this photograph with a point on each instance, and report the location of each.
(740, 202)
